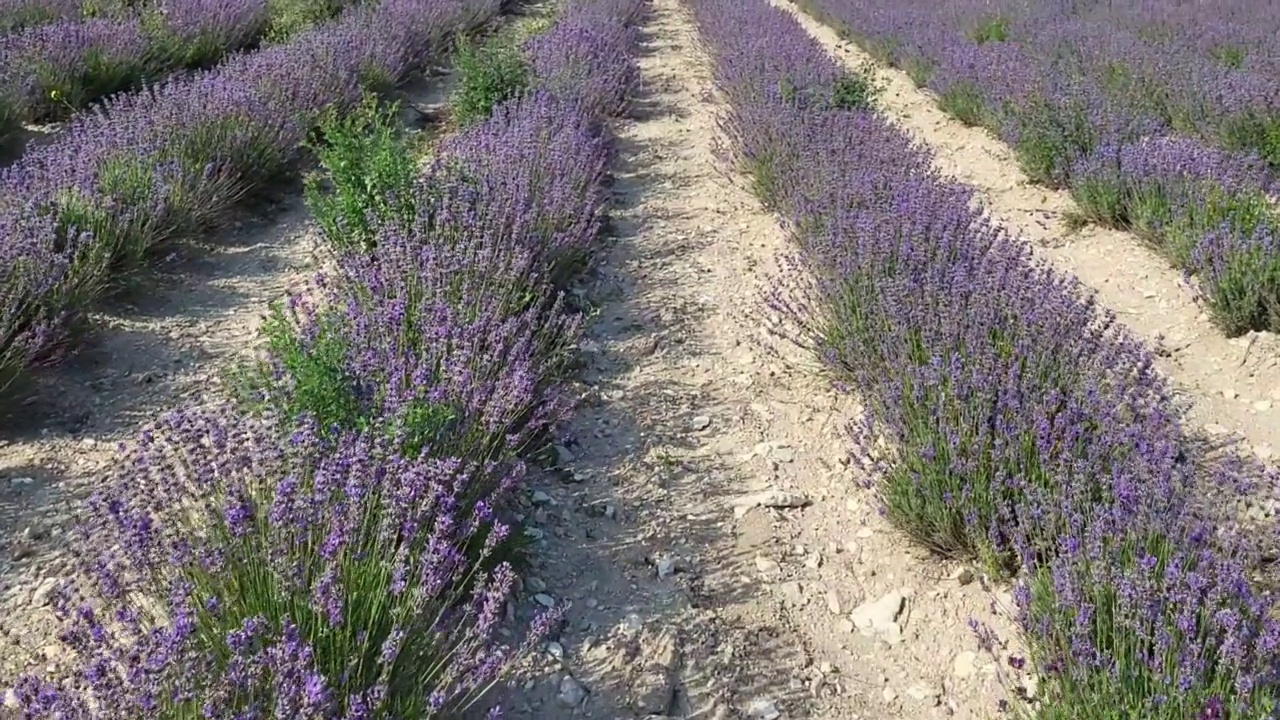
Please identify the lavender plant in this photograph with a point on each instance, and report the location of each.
(488, 74)
(367, 178)
(1072, 86)
(1009, 418)
(297, 576)
(149, 166)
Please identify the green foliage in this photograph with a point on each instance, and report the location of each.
(289, 17)
(963, 102)
(1253, 132)
(994, 28)
(368, 174)
(487, 75)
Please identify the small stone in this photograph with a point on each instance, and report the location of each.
(1264, 452)
(845, 625)
(11, 699)
(536, 584)
(701, 422)
(791, 593)
(879, 617)
(666, 567)
(571, 693)
(865, 533)
(544, 600)
(763, 710)
(541, 498)
(889, 694)
(783, 454)
(555, 650)
(21, 480)
(814, 561)
(833, 602)
(963, 575)
(1262, 405)
(923, 693)
(1230, 393)
(769, 498)
(564, 456)
(41, 595)
(965, 664)
(632, 623)
(767, 566)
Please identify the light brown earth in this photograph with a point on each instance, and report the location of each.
(1232, 384)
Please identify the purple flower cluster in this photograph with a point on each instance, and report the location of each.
(18, 14)
(276, 567)
(1071, 86)
(1020, 423)
(48, 71)
(146, 166)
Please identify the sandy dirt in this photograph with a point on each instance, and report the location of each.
(679, 605)
(1232, 384)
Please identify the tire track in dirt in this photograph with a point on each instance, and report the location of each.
(678, 605)
(1233, 383)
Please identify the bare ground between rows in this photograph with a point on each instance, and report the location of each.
(1232, 384)
(678, 606)
(162, 343)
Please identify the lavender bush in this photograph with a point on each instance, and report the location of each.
(1072, 87)
(53, 70)
(301, 578)
(340, 559)
(1020, 424)
(148, 166)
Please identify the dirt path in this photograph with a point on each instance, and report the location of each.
(162, 344)
(1234, 384)
(678, 605)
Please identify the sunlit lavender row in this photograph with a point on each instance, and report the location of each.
(1021, 425)
(50, 71)
(1161, 118)
(335, 546)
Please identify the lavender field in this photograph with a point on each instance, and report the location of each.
(638, 359)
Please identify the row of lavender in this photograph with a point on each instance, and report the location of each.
(1024, 427)
(347, 561)
(18, 14)
(1160, 118)
(150, 166)
(49, 71)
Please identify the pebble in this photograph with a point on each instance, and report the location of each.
(666, 567)
(833, 602)
(571, 693)
(544, 600)
(769, 498)
(963, 575)
(555, 650)
(541, 498)
(40, 597)
(21, 480)
(1229, 393)
(1262, 405)
(535, 584)
(763, 710)
(889, 694)
(767, 566)
(965, 664)
(563, 455)
(865, 533)
(11, 699)
(791, 593)
(701, 422)
(879, 617)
